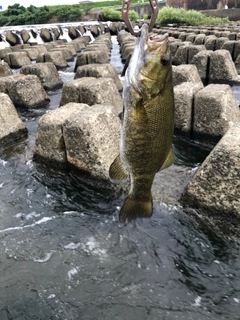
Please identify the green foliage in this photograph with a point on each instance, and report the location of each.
(133, 15)
(15, 10)
(111, 14)
(170, 15)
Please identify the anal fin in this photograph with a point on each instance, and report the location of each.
(168, 161)
(117, 172)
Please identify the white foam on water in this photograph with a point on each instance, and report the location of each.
(43, 220)
(72, 272)
(236, 300)
(197, 302)
(32, 215)
(52, 296)
(3, 163)
(45, 259)
(72, 246)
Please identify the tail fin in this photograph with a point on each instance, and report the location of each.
(134, 208)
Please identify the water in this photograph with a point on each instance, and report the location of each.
(63, 254)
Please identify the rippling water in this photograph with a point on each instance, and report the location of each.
(63, 254)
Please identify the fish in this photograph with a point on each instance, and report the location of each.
(147, 124)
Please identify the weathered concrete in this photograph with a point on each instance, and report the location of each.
(92, 57)
(92, 140)
(215, 188)
(49, 145)
(184, 98)
(181, 55)
(210, 42)
(193, 50)
(215, 110)
(5, 70)
(99, 71)
(24, 91)
(12, 38)
(202, 60)
(45, 34)
(185, 73)
(32, 53)
(73, 32)
(67, 52)
(25, 35)
(55, 57)
(47, 73)
(17, 59)
(11, 125)
(4, 52)
(92, 91)
(222, 67)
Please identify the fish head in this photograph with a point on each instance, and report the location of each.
(150, 66)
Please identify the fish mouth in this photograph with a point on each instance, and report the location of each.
(156, 43)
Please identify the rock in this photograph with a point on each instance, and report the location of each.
(25, 35)
(17, 59)
(82, 137)
(73, 32)
(185, 73)
(50, 145)
(210, 42)
(214, 189)
(46, 72)
(202, 60)
(92, 91)
(12, 38)
(191, 37)
(97, 47)
(174, 45)
(92, 140)
(99, 71)
(229, 45)
(82, 29)
(222, 67)
(56, 33)
(200, 39)
(104, 39)
(236, 51)
(32, 53)
(113, 28)
(181, 55)
(5, 70)
(219, 42)
(94, 31)
(24, 91)
(66, 52)
(91, 57)
(55, 57)
(45, 34)
(193, 50)
(11, 125)
(184, 98)
(182, 36)
(4, 52)
(215, 110)
(79, 44)
(127, 50)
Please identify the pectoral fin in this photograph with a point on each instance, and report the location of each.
(169, 160)
(117, 172)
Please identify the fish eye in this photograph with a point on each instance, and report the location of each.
(164, 60)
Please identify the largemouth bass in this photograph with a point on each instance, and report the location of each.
(148, 122)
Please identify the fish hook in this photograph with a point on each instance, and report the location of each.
(125, 10)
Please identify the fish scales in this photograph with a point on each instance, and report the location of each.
(148, 121)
